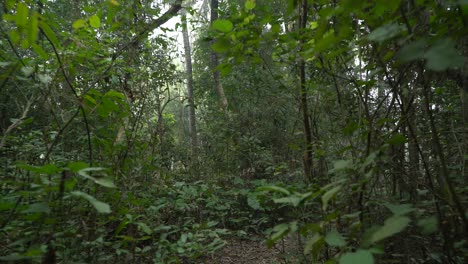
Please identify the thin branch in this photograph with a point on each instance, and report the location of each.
(70, 84)
(17, 122)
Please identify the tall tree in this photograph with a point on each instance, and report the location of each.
(308, 158)
(189, 77)
(215, 61)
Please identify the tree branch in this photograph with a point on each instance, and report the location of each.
(150, 27)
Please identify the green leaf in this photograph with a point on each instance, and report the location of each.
(280, 231)
(38, 49)
(253, 202)
(335, 239)
(249, 5)
(391, 226)
(100, 206)
(397, 139)
(102, 180)
(37, 208)
(222, 25)
(95, 21)
(385, 32)
(358, 257)
(400, 209)
(107, 106)
(314, 244)
(221, 45)
(9, 4)
(77, 166)
(79, 23)
(294, 200)
(329, 195)
(33, 28)
(14, 36)
(276, 28)
(342, 164)
(25, 43)
(114, 93)
(145, 228)
(46, 169)
(22, 15)
(14, 257)
(443, 55)
(428, 225)
(49, 33)
(274, 189)
(412, 51)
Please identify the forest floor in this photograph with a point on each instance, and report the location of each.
(254, 251)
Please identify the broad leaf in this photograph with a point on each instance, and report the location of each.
(253, 202)
(314, 244)
(249, 5)
(46, 169)
(397, 139)
(358, 257)
(38, 49)
(222, 25)
(400, 209)
(22, 15)
(221, 45)
(77, 166)
(33, 28)
(37, 208)
(95, 21)
(385, 32)
(392, 225)
(145, 228)
(428, 225)
(101, 207)
(280, 231)
(412, 51)
(49, 33)
(335, 239)
(329, 195)
(274, 189)
(443, 55)
(342, 164)
(79, 23)
(294, 200)
(102, 180)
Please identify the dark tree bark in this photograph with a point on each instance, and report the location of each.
(308, 155)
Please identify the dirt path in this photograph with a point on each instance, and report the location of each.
(252, 252)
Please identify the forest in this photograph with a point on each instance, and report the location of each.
(240, 131)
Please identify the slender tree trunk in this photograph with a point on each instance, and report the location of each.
(308, 158)
(214, 61)
(189, 76)
(464, 111)
(414, 163)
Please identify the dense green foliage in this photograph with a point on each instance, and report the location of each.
(341, 125)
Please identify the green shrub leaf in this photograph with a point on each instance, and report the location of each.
(335, 239)
(358, 257)
(391, 226)
(101, 207)
(222, 25)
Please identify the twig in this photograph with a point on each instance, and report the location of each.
(17, 122)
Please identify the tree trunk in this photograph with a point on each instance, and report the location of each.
(214, 61)
(189, 76)
(308, 158)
